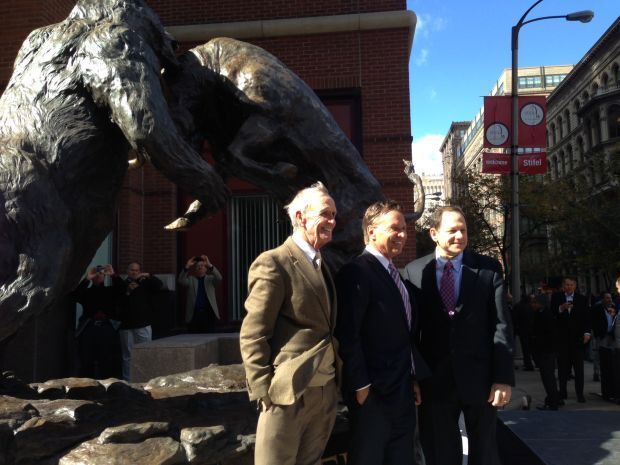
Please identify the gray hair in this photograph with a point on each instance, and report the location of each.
(303, 199)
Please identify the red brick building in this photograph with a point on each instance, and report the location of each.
(353, 53)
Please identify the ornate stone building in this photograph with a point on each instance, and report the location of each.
(583, 131)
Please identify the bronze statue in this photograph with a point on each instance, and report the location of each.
(265, 125)
(87, 91)
(83, 92)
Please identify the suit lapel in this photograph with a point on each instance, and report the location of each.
(310, 275)
(384, 277)
(429, 284)
(469, 274)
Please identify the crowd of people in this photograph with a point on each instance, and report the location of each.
(559, 330)
(417, 349)
(116, 317)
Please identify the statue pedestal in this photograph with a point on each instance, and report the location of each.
(183, 352)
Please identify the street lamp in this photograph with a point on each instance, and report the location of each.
(515, 264)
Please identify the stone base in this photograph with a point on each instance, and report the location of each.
(184, 352)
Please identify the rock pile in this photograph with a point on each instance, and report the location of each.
(198, 417)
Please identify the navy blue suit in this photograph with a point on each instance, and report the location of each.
(466, 355)
(376, 347)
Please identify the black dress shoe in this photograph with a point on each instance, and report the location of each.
(581, 399)
(546, 407)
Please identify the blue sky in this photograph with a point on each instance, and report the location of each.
(461, 47)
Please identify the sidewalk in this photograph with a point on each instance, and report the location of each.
(577, 434)
(529, 382)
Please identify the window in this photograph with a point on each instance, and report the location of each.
(256, 223)
(552, 80)
(613, 120)
(529, 82)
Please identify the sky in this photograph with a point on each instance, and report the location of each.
(461, 47)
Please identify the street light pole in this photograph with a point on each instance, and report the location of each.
(515, 261)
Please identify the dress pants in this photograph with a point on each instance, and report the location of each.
(546, 363)
(130, 337)
(382, 431)
(441, 437)
(297, 434)
(567, 358)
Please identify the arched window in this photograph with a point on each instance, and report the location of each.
(569, 158)
(567, 118)
(615, 72)
(562, 163)
(561, 126)
(604, 81)
(613, 121)
(581, 149)
(553, 135)
(594, 89)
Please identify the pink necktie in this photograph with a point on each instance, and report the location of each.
(448, 296)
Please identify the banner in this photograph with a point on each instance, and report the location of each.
(533, 121)
(534, 163)
(497, 122)
(495, 163)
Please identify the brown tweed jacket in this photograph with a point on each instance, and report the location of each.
(289, 324)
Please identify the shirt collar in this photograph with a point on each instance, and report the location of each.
(309, 251)
(456, 261)
(378, 255)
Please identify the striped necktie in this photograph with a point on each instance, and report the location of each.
(403, 292)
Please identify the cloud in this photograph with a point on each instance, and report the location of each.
(428, 24)
(426, 156)
(432, 94)
(422, 57)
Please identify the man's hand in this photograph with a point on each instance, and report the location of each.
(362, 395)
(586, 338)
(417, 393)
(499, 395)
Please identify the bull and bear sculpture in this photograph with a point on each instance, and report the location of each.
(106, 82)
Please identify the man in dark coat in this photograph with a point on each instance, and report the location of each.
(466, 339)
(573, 328)
(376, 326)
(544, 346)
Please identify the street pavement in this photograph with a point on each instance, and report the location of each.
(577, 434)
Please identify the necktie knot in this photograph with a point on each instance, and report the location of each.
(316, 261)
(448, 266)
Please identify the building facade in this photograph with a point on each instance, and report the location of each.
(583, 132)
(353, 54)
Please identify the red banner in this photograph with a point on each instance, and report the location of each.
(533, 121)
(497, 122)
(495, 163)
(534, 163)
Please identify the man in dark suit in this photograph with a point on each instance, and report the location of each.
(544, 346)
(376, 323)
(603, 322)
(466, 339)
(573, 329)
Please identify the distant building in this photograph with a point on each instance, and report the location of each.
(538, 80)
(433, 193)
(449, 148)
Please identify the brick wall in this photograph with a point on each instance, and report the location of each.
(217, 11)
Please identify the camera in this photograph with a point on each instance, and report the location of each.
(198, 258)
(99, 268)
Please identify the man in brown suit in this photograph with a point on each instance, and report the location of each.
(289, 353)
